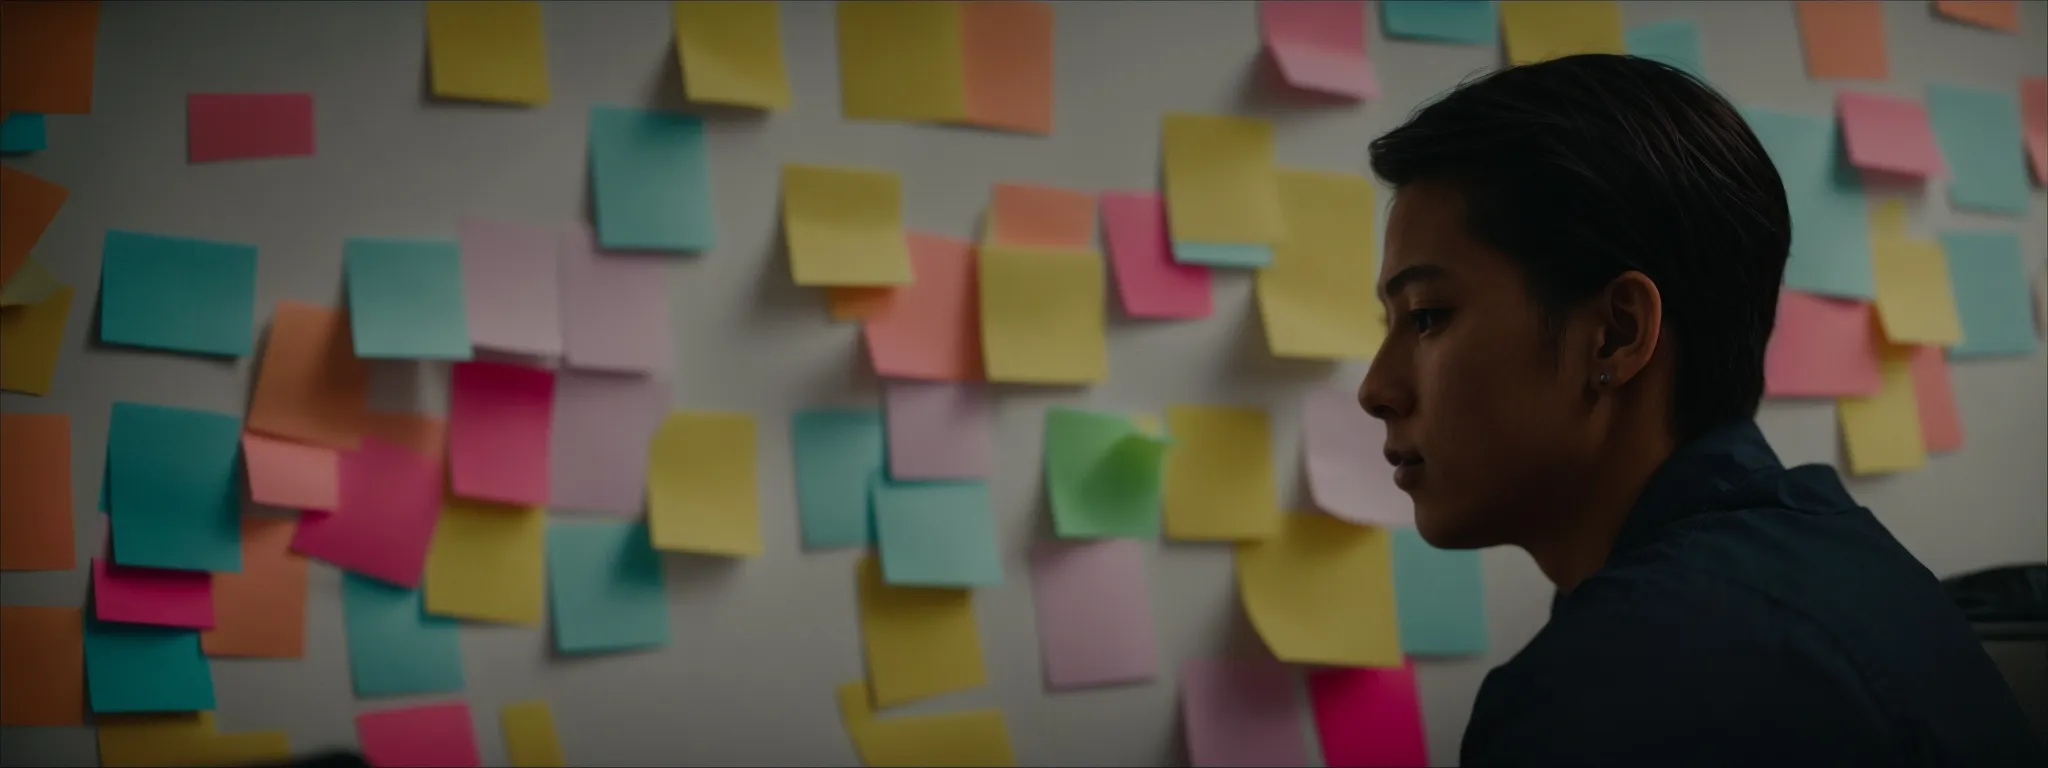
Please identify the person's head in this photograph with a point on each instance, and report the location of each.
(1583, 257)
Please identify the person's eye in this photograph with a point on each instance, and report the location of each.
(1426, 320)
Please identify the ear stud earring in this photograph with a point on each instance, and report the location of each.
(1603, 378)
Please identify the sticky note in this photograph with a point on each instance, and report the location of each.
(35, 502)
(1033, 216)
(432, 734)
(405, 298)
(152, 596)
(834, 450)
(140, 668)
(2002, 15)
(177, 293)
(1241, 255)
(919, 642)
(1881, 432)
(605, 590)
(175, 502)
(1042, 316)
(1343, 698)
(529, 728)
(290, 475)
(1102, 475)
(931, 328)
(1241, 712)
(30, 339)
(488, 51)
(311, 387)
(1440, 597)
(844, 225)
(1941, 429)
(1676, 43)
(1843, 39)
(597, 445)
(238, 126)
(974, 737)
(511, 286)
(1344, 452)
(936, 534)
(394, 647)
(1915, 304)
(1470, 22)
(183, 739)
(1220, 182)
(1277, 580)
(32, 283)
(702, 492)
(1979, 134)
(485, 562)
(1830, 220)
(1821, 347)
(1219, 475)
(937, 430)
(261, 612)
(1006, 65)
(48, 57)
(1889, 135)
(1094, 612)
(2034, 114)
(390, 500)
(615, 309)
(902, 61)
(22, 133)
(42, 666)
(1549, 30)
(1990, 285)
(1306, 297)
(424, 436)
(27, 205)
(651, 181)
(858, 302)
(498, 420)
(1149, 282)
(1320, 46)
(731, 53)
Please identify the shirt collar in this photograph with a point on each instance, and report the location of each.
(1700, 476)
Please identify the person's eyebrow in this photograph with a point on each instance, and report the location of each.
(1411, 274)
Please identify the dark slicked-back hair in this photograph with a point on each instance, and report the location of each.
(1585, 167)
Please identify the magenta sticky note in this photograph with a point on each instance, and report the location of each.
(1346, 457)
(429, 735)
(390, 500)
(499, 416)
(235, 126)
(1821, 347)
(1319, 45)
(290, 475)
(1889, 135)
(615, 314)
(1094, 612)
(597, 455)
(1241, 712)
(1148, 281)
(1368, 717)
(510, 286)
(937, 430)
(152, 595)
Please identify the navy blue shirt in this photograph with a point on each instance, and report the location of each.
(1751, 615)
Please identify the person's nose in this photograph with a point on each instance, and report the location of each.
(1385, 394)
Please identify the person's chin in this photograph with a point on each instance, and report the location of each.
(1447, 528)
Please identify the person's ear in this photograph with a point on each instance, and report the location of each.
(1630, 320)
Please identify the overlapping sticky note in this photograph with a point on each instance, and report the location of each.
(2002, 15)
(1094, 612)
(1221, 186)
(32, 283)
(1308, 300)
(1990, 285)
(931, 328)
(1676, 43)
(1915, 304)
(937, 430)
(184, 739)
(511, 286)
(1881, 432)
(498, 420)
(902, 61)
(152, 596)
(1843, 38)
(290, 475)
(1219, 475)
(261, 612)
(1471, 22)
(30, 339)
(390, 501)
(1548, 30)
(42, 666)
(1102, 475)
(919, 642)
(1386, 698)
(173, 496)
(405, 298)
(530, 741)
(1440, 597)
(615, 309)
(1320, 46)
(27, 205)
(1941, 428)
(1830, 219)
(978, 737)
(835, 452)
(651, 182)
(1821, 347)
(22, 133)
(46, 55)
(311, 387)
(432, 734)
(597, 445)
(35, 502)
(1281, 582)
(1889, 135)
(844, 225)
(1007, 65)
(1035, 216)
(1149, 282)
(1980, 135)
(140, 668)
(493, 51)
(1241, 712)
(731, 53)
(394, 647)
(605, 589)
(238, 126)
(935, 534)
(1042, 316)
(703, 495)
(1343, 454)
(177, 293)
(485, 562)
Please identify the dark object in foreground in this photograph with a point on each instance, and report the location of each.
(339, 758)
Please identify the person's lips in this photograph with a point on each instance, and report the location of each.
(1408, 466)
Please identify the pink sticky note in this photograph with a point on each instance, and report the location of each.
(390, 500)
(1368, 717)
(930, 329)
(1094, 612)
(1148, 281)
(1940, 428)
(290, 475)
(1821, 347)
(615, 314)
(1320, 45)
(2034, 118)
(1889, 135)
(1241, 712)
(597, 451)
(938, 430)
(152, 595)
(499, 415)
(1348, 474)
(429, 735)
(510, 286)
(234, 126)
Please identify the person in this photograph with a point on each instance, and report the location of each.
(1581, 273)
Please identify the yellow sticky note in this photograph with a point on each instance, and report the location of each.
(31, 284)
(972, 738)
(487, 50)
(902, 61)
(256, 748)
(1146, 422)
(844, 226)
(1309, 297)
(1220, 182)
(1042, 316)
(702, 494)
(530, 735)
(1881, 432)
(1288, 586)
(920, 642)
(1219, 475)
(183, 739)
(1915, 304)
(731, 52)
(485, 562)
(1558, 28)
(30, 338)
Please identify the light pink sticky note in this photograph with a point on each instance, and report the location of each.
(615, 313)
(1148, 281)
(1348, 473)
(499, 416)
(390, 500)
(937, 430)
(1368, 717)
(1889, 135)
(234, 126)
(511, 287)
(290, 475)
(428, 735)
(152, 595)
(1320, 45)
(1940, 428)
(1821, 347)
(1241, 712)
(1094, 612)
(597, 454)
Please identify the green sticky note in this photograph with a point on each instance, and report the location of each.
(1830, 217)
(1979, 134)
(1676, 43)
(836, 449)
(1439, 596)
(1102, 475)
(605, 588)
(177, 503)
(1470, 22)
(177, 293)
(1990, 284)
(936, 534)
(143, 668)
(394, 647)
(405, 299)
(1245, 255)
(650, 181)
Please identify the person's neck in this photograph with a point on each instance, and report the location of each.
(1577, 543)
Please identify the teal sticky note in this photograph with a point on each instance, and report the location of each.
(1830, 218)
(1102, 475)
(143, 668)
(1472, 22)
(1990, 284)
(1242, 255)
(1439, 598)
(177, 293)
(394, 647)
(835, 449)
(1978, 131)
(178, 502)
(22, 133)
(936, 534)
(605, 588)
(1676, 43)
(650, 180)
(405, 299)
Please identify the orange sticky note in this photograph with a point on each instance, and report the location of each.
(261, 612)
(423, 435)
(290, 475)
(855, 302)
(1007, 67)
(1940, 428)
(1843, 38)
(930, 329)
(1989, 14)
(27, 204)
(46, 55)
(42, 666)
(35, 499)
(311, 387)
(1031, 216)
